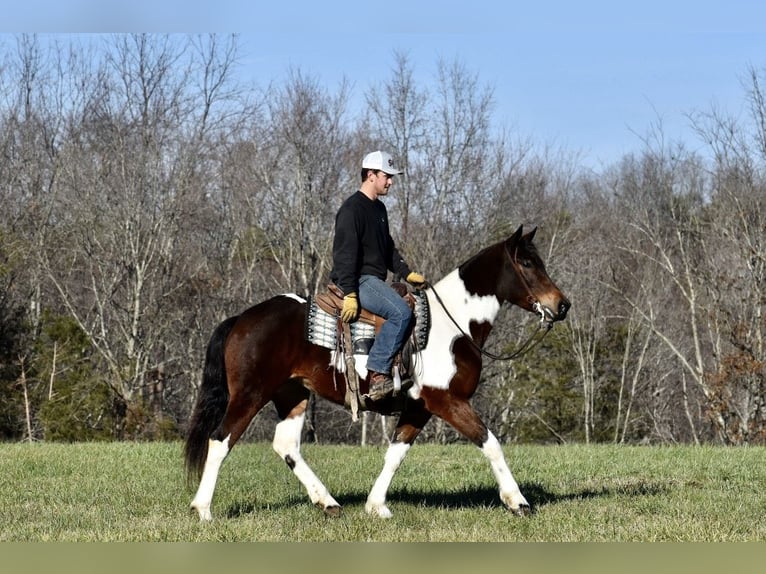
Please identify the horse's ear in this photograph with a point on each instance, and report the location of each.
(530, 236)
(514, 239)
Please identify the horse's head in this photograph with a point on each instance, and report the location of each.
(525, 282)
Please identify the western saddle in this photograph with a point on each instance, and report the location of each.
(331, 302)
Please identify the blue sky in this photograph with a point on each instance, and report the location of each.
(587, 76)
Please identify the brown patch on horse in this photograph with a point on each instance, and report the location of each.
(456, 411)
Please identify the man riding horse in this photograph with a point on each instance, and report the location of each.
(363, 254)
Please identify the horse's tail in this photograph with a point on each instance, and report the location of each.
(211, 402)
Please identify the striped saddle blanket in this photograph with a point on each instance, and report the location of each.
(323, 324)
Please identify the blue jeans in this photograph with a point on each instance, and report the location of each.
(377, 296)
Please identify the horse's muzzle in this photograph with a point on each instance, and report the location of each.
(548, 315)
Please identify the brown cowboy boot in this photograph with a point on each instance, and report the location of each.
(381, 385)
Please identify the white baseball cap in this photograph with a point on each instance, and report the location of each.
(381, 161)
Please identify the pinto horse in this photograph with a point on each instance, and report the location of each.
(263, 356)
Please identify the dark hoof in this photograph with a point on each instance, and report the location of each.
(333, 511)
(523, 510)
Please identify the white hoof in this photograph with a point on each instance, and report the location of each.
(515, 502)
(204, 513)
(380, 510)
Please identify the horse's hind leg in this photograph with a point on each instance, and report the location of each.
(239, 413)
(291, 404)
(216, 453)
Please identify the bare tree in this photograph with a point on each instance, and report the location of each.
(127, 202)
(667, 234)
(290, 186)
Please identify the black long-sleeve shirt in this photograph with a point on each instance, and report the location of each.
(363, 243)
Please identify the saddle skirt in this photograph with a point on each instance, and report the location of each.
(323, 324)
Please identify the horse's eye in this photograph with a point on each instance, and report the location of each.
(526, 263)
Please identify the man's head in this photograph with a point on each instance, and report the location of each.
(379, 161)
(378, 173)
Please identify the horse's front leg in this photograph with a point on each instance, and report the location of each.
(287, 437)
(461, 415)
(408, 428)
(510, 493)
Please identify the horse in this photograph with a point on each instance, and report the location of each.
(263, 355)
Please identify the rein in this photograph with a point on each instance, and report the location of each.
(527, 346)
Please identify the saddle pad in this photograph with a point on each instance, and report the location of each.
(322, 328)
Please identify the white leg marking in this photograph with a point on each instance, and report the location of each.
(216, 452)
(509, 490)
(287, 444)
(376, 500)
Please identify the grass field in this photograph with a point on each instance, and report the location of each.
(137, 492)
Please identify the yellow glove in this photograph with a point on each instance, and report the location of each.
(415, 279)
(350, 308)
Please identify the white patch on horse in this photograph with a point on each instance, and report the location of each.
(435, 365)
(294, 296)
(337, 360)
(287, 444)
(360, 363)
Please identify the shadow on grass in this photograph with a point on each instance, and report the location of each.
(485, 497)
(536, 494)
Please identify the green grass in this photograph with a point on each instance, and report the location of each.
(137, 492)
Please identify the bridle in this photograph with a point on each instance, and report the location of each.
(544, 325)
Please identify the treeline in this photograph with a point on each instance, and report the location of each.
(147, 193)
